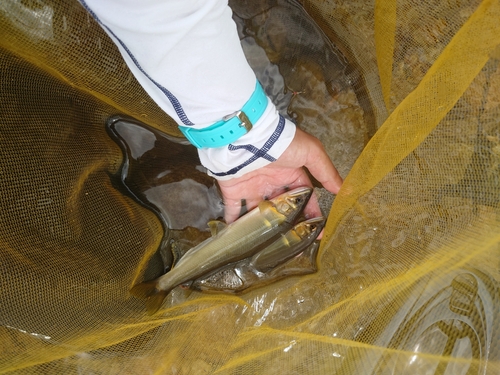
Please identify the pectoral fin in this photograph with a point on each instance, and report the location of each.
(281, 250)
(216, 226)
(187, 284)
(265, 205)
(302, 264)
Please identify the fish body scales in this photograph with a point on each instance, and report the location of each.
(237, 241)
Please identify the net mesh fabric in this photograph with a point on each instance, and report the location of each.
(409, 267)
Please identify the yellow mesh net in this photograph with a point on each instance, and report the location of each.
(409, 267)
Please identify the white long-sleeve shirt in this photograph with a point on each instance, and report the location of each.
(188, 57)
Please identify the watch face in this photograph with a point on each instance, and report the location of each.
(454, 315)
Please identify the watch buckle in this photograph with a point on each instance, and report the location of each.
(244, 120)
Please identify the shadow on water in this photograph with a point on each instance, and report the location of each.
(164, 174)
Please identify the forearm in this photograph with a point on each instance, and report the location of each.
(188, 57)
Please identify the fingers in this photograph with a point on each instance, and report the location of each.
(234, 208)
(324, 171)
(312, 208)
(267, 182)
(306, 150)
(232, 211)
(319, 164)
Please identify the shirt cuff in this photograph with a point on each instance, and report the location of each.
(264, 143)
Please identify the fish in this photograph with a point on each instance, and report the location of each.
(289, 244)
(238, 240)
(269, 264)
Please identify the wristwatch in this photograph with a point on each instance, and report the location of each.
(232, 126)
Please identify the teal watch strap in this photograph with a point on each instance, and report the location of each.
(231, 127)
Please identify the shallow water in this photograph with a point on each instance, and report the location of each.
(303, 73)
(306, 76)
(164, 174)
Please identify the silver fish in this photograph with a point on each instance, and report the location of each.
(288, 245)
(269, 264)
(239, 240)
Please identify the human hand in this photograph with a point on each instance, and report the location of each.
(285, 173)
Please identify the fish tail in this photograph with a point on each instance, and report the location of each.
(151, 293)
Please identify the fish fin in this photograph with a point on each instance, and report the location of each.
(187, 284)
(154, 302)
(265, 205)
(149, 291)
(311, 254)
(216, 226)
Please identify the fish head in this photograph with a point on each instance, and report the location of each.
(310, 228)
(291, 203)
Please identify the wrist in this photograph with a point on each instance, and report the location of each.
(268, 139)
(231, 127)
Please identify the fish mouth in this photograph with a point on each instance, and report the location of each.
(300, 193)
(316, 221)
(316, 224)
(310, 228)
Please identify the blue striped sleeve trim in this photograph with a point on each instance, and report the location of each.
(173, 100)
(254, 150)
(257, 153)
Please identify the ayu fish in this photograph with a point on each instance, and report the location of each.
(288, 245)
(239, 240)
(270, 264)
